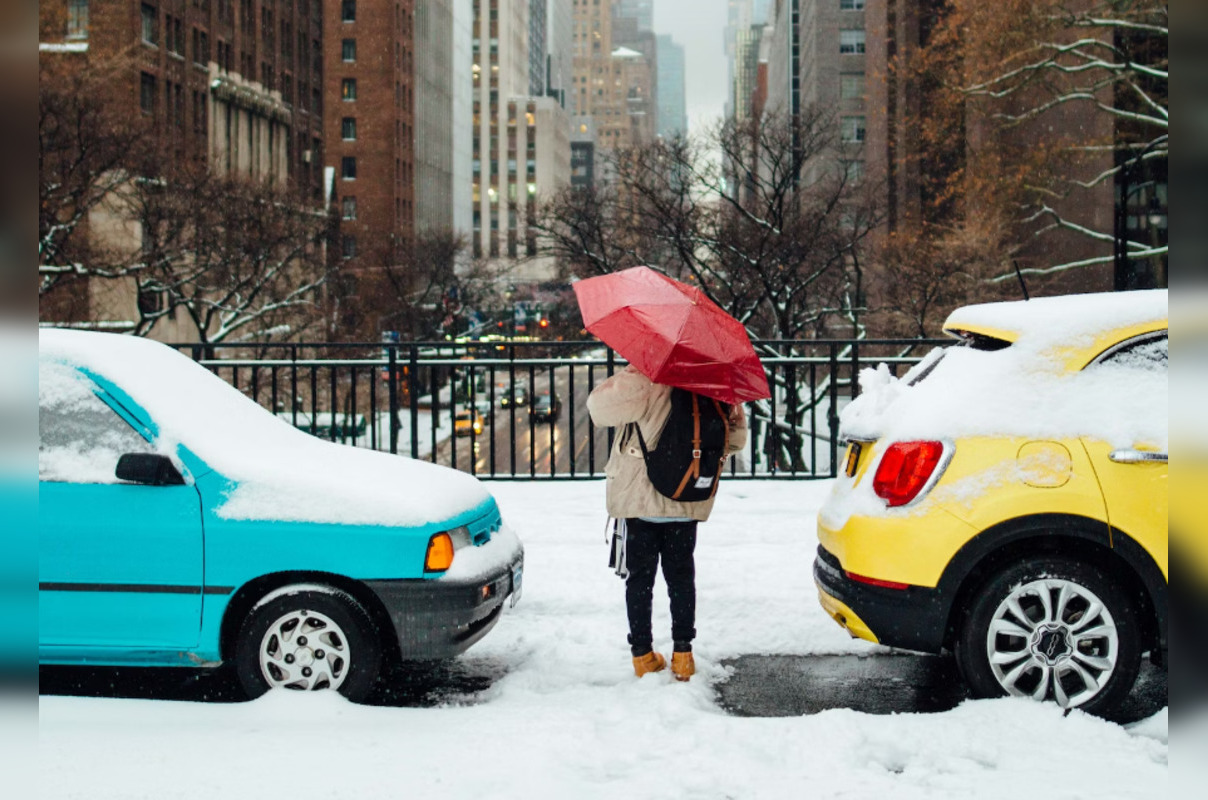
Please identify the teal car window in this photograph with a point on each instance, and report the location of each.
(80, 438)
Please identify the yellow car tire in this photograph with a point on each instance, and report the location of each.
(1055, 629)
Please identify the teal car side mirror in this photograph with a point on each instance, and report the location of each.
(148, 468)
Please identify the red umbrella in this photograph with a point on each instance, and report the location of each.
(673, 334)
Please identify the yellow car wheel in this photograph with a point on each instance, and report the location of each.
(1053, 629)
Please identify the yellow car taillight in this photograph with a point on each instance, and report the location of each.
(440, 553)
(905, 469)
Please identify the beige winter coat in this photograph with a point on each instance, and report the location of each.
(629, 396)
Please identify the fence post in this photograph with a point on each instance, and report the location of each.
(855, 368)
(612, 365)
(392, 377)
(832, 411)
(412, 397)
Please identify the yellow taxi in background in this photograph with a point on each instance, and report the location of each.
(1006, 500)
(468, 421)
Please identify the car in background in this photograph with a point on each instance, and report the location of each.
(547, 407)
(343, 428)
(514, 396)
(468, 421)
(1007, 500)
(180, 524)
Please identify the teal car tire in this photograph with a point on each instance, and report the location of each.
(308, 638)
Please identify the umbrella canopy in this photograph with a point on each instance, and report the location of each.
(673, 334)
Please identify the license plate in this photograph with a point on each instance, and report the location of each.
(517, 583)
(853, 458)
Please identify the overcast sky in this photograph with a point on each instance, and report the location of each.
(699, 25)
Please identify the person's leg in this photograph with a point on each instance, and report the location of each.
(679, 571)
(642, 558)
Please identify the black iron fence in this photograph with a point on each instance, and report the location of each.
(517, 410)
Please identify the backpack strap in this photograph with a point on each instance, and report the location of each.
(724, 411)
(630, 429)
(694, 470)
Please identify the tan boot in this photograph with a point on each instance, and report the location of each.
(651, 662)
(683, 666)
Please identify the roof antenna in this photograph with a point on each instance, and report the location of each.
(1019, 275)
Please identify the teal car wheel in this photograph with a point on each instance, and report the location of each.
(308, 638)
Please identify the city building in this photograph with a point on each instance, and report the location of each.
(235, 86)
(520, 141)
(370, 95)
(442, 117)
(559, 41)
(672, 108)
(613, 84)
(745, 70)
(220, 83)
(641, 11)
(583, 152)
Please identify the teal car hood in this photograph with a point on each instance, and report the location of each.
(269, 470)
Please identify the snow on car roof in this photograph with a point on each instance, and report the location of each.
(281, 473)
(1066, 319)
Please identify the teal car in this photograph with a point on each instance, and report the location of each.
(180, 524)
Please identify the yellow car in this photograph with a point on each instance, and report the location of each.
(1006, 500)
(468, 421)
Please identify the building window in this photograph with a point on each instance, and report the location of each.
(348, 10)
(146, 94)
(348, 168)
(851, 5)
(348, 89)
(150, 24)
(77, 19)
(851, 41)
(348, 129)
(853, 170)
(853, 129)
(851, 85)
(176, 37)
(350, 246)
(349, 50)
(350, 207)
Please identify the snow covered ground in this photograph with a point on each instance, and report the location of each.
(568, 719)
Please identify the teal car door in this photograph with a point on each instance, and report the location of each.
(120, 564)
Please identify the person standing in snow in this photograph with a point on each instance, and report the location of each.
(655, 526)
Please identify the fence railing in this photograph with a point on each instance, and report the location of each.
(517, 410)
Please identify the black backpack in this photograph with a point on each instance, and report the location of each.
(687, 463)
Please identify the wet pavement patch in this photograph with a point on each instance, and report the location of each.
(896, 683)
(456, 682)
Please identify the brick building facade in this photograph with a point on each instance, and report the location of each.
(235, 84)
(370, 125)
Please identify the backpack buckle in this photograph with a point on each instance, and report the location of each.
(696, 454)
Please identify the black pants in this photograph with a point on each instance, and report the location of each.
(674, 543)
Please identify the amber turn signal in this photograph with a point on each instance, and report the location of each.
(440, 553)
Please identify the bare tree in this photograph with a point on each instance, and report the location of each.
(237, 257)
(1060, 102)
(425, 289)
(87, 154)
(774, 232)
(778, 252)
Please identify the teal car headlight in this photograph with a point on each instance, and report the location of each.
(460, 536)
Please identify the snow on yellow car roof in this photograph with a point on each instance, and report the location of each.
(1081, 325)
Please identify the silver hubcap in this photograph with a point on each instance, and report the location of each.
(304, 650)
(1052, 639)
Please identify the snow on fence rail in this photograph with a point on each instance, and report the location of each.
(516, 410)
